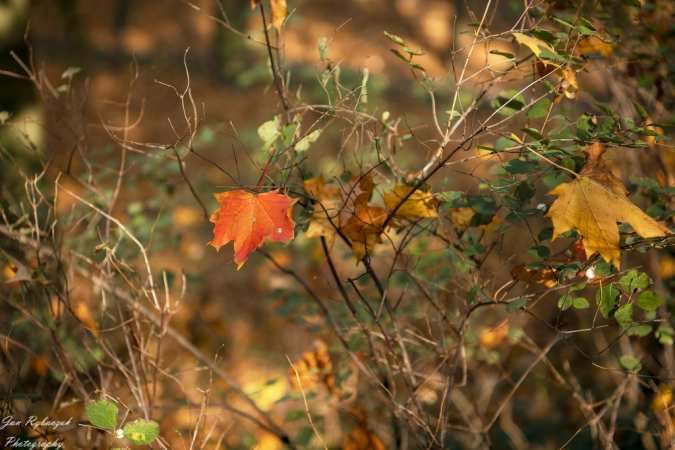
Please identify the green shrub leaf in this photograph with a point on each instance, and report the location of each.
(102, 414)
(141, 431)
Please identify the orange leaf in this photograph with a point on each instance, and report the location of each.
(348, 209)
(314, 367)
(246, 218)
(362, 438)
(364, 229)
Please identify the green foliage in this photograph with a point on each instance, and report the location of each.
(649, 300)
(608, 300)
(141, 431)
(102, 414)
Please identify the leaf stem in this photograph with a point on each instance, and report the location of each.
(267, 165)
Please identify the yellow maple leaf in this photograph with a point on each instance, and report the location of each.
(419, 205)
(327, 213)
(594, 203)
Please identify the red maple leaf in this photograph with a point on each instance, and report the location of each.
(246, 218)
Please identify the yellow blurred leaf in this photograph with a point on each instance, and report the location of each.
(536, 45)
(544, 277)
(592, 44)
(16, 271)
(569, 84)
(267, 441)
(279, 13)
(493, 337)
(663, 397)
(187, 216)
(418, 205)
(667, 267)
(594, 203)
(461, 217)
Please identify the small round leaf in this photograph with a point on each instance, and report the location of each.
(102, 414)
(141, 431)
(649, 300)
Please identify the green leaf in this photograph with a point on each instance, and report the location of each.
(649, 300)
(545, 234)
(269, 131)
(664, 335)
(505, 143)
(508, 102)
(323, 48)
(70, 72)
(305, 142)
(539, 251)
(516, 304)
(630, 363)
(533, 133)
(395, 39)
(473, 292)
(634, 3)
(624, 315)
(141, 431)
(565, 302)
(475, 249)
(608, 111)
(102, 414)
(567, 24)
(603, 268)
(501, 229)
(608, 299)
(586, 31)
(587, 23)
(539, 109)
(581, 303)
(640, 111)
(549, 55)
(506, 55)
(578, 286)
(521, 165)
(640, 330)
(295, 415)
(633, 281)
(545, 36)
(399, 54)
(450, 196)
